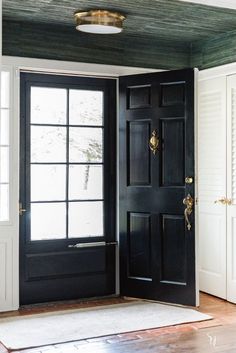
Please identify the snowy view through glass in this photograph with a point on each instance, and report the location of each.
(66, 163)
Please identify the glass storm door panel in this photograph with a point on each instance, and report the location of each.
(67, 161)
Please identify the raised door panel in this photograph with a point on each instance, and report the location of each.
(173, 250)
(173, 152)
(212, 255)
(172, 93)
(138, 168)
(212, 185)
(139, 246)
(138, 96)
(231, 188)
(231, 257)
(6, 274)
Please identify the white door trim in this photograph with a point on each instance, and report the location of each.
(212, 185)
(231, 189)
(72, 68)
(219, 71)
(196, 75)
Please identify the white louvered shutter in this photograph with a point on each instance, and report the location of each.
(212, 185)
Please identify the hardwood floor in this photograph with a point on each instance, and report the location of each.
(217, 335)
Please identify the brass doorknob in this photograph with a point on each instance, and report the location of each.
(188, 180)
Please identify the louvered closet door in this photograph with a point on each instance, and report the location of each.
(231, 188)
(212, 186)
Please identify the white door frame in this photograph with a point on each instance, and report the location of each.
(224, 75)
(231, 189)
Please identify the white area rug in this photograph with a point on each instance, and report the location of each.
(71, 325)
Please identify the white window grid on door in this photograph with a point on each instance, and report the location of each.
(5, 146)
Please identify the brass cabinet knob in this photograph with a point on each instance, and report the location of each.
(224, 201)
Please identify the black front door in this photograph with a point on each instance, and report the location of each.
(157, 237)
(67, 228)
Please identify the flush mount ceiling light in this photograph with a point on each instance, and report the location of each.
(99, 21)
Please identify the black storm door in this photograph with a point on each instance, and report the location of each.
(67, 194)
(157, 236)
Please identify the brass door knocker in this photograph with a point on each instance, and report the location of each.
(154, 142)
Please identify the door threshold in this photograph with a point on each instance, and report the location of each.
(40, 308)
(158, 302)
(70, 302)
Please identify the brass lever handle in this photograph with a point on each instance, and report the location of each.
(92, 244)
(224, 201)
(87, 245)
(188, 202)
(154, 142)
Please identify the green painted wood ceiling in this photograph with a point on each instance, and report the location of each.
(164, 24)
(162, 19)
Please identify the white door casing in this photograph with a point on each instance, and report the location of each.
(212, 185)
(9, 229)
(231, 188)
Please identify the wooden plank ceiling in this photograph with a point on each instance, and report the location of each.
(162, 28)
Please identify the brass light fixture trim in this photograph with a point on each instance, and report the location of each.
(99, 21)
